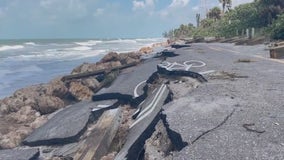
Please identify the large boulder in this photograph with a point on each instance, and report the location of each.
(111, 56)
(29, 96)
(57, 88)
(14, 137)
(39, 121)
(91, 83)
(109, 65)
(79, 91)
(10, 104)
(24, 110)
(25, 115)
(91, 67)
(134, 55)
(48, 104)
(127, 58)
(146, 50)
(161, 44)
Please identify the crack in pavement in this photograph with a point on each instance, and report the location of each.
(210, 130)
(247, 127)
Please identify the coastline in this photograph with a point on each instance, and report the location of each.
(29, 62)
(227, 101)
(28, 108)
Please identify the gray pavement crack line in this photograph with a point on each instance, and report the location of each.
(247, 127)
(210, 130)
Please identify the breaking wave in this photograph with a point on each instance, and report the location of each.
(14, 47)
(80, 48)
(122, 41)
(88, 43)
(30, 43)
(58, 55)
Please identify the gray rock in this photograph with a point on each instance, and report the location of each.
(48, 104)
(111, 56)
(80, 91)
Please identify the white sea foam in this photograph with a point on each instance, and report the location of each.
(30, 43)
(151, 39)
(80, 48)
(122, 41)
(14, 47)
(88, 43)
(53, 54)
(78, 55)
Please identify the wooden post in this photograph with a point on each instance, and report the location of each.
(247, 33)
(252, 32)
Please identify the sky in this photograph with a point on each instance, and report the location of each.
(36, 19)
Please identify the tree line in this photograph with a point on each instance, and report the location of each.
(266, 16)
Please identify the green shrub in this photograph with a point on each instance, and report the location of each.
(277, 28)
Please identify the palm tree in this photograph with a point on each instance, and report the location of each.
(214, 13)
(226, 3)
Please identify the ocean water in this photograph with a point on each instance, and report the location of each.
(28, 62)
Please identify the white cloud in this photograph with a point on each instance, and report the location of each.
(143, 4)
(179, 3)
(138, 5)
(99, 12)
(173, 7)
(195, 8)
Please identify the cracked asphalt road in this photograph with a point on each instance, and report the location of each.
(255, 99)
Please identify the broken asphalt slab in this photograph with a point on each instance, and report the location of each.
(126, 82)
(104, 132)
(178, 46)
(69, 124)
(19, 154)
(144, 124)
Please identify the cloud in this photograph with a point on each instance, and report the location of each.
(196, 8)
(143, 4)
(99, 11)
(179, 3)
(173, 7)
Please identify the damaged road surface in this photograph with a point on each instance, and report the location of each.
(238, 113)
(89, 130)
(19, 154)
(192, 105)
(143, 126)
(68, 125)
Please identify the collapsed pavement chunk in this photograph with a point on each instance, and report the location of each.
(143, 126)
(19, 154)
(66, 126)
